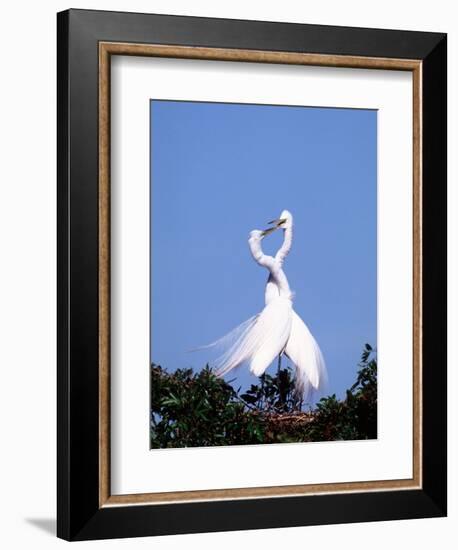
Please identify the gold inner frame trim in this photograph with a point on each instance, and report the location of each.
(106, 50)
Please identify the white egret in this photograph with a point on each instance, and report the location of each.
(277, 329)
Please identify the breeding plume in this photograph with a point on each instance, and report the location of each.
(277, 329)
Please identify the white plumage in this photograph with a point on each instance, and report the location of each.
(277, 329)
(306, 356)
(260, 341)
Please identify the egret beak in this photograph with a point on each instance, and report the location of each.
(278, 222)
(268, 231)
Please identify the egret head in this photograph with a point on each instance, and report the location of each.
(285, 221)
(258, 235)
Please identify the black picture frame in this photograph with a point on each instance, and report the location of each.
(80, 516)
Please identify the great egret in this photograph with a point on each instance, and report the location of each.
(277, 329)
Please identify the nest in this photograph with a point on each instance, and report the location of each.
(285, 422)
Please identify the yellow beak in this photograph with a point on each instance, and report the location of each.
(268, 231)
(278, 222)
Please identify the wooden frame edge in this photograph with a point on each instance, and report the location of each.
(260, 492)
(417, 230)
(257, 56)
(104, 276)
(106, 49)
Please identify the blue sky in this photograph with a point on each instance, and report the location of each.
(220, 170)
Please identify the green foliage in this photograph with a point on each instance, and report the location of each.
(274, 394)
(356, 416)
(198, 409)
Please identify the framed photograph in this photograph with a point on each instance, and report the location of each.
(251, 274)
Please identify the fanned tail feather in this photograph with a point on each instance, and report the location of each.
(304, 352)
(259, 340)
(228, 339)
